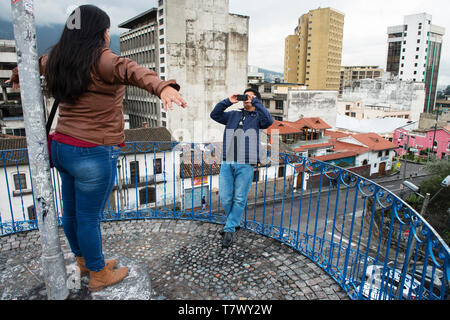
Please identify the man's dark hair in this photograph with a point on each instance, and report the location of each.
(256, 92)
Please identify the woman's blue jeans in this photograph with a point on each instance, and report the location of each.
(87, 176)
(235, 180)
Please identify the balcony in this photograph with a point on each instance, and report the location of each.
(310, 231)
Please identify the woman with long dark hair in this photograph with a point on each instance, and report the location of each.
(89, 81)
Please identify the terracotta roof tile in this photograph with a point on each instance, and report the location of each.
(313, 123)
(374, 141)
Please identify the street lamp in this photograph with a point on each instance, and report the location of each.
(444, 184)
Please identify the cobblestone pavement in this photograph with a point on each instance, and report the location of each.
(182, 260)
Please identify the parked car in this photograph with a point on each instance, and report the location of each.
(432, 282)
(379, 287)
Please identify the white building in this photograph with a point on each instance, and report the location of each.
(414, 52)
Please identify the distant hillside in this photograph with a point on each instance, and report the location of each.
(47, 36)
(269, 75)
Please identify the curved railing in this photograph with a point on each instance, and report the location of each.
(373, 244)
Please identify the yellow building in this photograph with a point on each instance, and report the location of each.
(313, 55)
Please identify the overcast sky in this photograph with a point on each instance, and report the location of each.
(366, 22)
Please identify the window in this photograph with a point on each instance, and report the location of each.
(147, 195)
(20, 181)
(31, 213)
(134, 172)
(386, 153)
(380, 154)
(279, 105)
(281, 171)
(157, 166)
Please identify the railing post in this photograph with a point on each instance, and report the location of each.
(30, 89)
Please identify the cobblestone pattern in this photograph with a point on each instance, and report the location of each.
(184, 260)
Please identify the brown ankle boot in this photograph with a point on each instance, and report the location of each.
(106, 277)
(110, 264)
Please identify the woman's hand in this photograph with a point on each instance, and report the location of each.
(15, 85)
(170, 95)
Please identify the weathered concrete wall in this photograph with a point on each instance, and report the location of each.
(401, 95)
(428, 120)
(309, 104)
(207, 52)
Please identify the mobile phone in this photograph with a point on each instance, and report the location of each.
(242, 97)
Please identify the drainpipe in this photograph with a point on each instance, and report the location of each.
(52, 259)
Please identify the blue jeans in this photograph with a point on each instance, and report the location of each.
(235, 181)
(87, 176)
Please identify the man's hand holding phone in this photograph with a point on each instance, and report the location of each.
(235, 98)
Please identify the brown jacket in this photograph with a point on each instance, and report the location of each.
(97, 116)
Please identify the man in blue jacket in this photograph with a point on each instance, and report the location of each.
(241, 151)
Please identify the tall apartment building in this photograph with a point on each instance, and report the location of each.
(414, 53)
(203, 47)
(352, 73)
(313, 54)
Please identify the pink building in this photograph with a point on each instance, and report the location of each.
(422, 140)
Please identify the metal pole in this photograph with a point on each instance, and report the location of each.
(406, 155)
(30, 89)
(434, 136)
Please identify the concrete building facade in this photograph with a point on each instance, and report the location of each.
(414, 53)
(203, 47)
(393, 95)
(11, 114)
(308, 104)
(313, 55)
(351, 73)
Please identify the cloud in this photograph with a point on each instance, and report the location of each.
(366, 22)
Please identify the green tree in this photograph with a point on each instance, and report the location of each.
(437, 214)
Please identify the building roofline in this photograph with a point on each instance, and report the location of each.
(126, 24)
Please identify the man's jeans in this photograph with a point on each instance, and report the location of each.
(87, 176)
(235, 181)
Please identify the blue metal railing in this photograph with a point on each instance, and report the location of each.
(373, 244)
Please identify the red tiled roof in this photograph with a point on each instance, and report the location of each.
(374, 141)
(313, 146)
(338, 155)
(313, 123)
(287, 127)
(336, 134)
(344, 146)
(284, 127)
